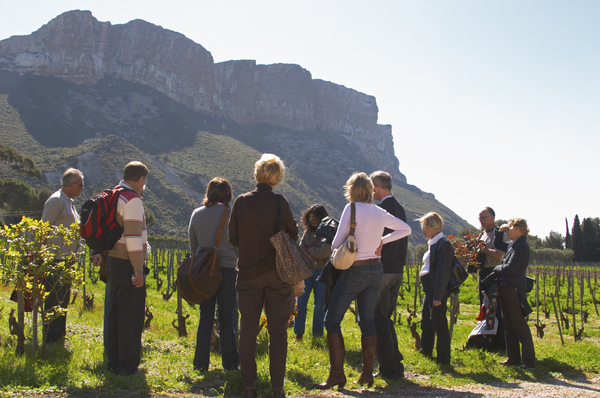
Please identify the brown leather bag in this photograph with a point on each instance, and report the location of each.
(199, 276)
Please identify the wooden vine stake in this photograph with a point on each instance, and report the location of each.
(557, 320)
(179, 323)
(454, 309)
(592, 292)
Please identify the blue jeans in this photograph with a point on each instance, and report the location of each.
(318, 322)
(226, 299)
(363, 283)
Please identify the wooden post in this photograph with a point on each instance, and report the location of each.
(544, 293)
(581, 297)
(454, 308)
(557, 320)
(416, 289)
(572, 280)
(21, 322)
(537, 298)
(592, 292)
(568, 290)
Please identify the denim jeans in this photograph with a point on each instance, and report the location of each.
(363, 283)
(318, 322)
(226, 299)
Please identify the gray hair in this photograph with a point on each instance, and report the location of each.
(71, 176)
(382, 179)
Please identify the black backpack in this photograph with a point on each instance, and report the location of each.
(99, 226)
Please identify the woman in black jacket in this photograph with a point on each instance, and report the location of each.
(512, 287)
(437, 265)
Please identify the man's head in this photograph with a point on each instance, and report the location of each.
(487, 218)
(382, 184)
(72, 182)
(135, 174)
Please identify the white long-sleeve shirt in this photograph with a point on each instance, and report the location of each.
(370, 223)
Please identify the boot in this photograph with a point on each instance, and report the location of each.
(369, 349)
(337, 352)
(278, 393)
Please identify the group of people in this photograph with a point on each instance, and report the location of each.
(251, 283)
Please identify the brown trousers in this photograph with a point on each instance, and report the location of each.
(277, 298)
(516, 328)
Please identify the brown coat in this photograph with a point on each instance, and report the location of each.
(254, 220)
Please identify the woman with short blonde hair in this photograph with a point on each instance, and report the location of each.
(269, 169)
(255, 217)
(359, 188)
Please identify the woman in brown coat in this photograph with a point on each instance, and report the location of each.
(257, 216)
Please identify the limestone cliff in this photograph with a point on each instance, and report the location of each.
(78, 48)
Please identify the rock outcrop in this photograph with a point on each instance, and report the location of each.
(78, 48)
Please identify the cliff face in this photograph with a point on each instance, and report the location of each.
(78, 48)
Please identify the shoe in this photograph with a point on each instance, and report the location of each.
(250, 393)
(369, 349)
(337, 352)
(299, 337)
(278, 393)
(527, 366)
(508, 362)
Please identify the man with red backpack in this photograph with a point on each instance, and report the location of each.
(125, 269)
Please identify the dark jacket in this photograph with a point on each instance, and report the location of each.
(435, 283)
(513, 271)
(254, 220)
(393, 254)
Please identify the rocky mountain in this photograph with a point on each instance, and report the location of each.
(77, 80)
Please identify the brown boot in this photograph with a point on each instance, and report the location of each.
(369, 349)
(337, 352)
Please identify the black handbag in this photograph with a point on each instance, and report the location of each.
(457, 276)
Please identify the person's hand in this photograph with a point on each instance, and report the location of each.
(97, 260)
(503, 227)
(436, 303)
(378, 250)
(138, 281)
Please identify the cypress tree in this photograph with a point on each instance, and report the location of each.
(577, 238)
(568, 244)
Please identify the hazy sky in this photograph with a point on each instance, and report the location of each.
(492, 103)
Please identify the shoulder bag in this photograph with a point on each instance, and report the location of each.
(293, 264)
(344, 256)
(199, 276)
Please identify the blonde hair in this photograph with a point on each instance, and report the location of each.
(519, 223)
(269, 169)
(431, 220)
(359, 188)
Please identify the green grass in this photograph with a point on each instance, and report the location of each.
(79, 368)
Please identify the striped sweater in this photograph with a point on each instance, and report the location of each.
(133, 245)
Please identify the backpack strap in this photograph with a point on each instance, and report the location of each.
(221, 226)
(352, 218)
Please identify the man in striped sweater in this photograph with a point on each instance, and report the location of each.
(125, 269)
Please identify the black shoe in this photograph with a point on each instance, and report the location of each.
(250, 393)
(527, 366)
(508, 362)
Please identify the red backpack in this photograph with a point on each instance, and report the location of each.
(99, 226)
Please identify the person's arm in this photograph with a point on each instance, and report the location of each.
(512, 262)
(289, 222)
(343, 228)
(52, 210)
(399, 228)
(133, 223)
(192, 235)
(319, 253)
(233, 226)
(444, 262)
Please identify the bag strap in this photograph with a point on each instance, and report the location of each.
(221, 227)
(352, 218)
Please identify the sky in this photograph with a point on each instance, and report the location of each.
(492, 103)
